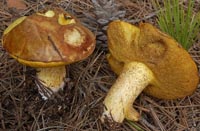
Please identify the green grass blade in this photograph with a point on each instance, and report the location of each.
(178, 22)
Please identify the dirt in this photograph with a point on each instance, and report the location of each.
(79, 105)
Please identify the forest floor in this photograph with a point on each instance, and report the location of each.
(79, 106)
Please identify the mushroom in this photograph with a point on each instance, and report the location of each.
(48, 41)
(145, 59)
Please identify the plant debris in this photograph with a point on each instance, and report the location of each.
(18, 4)
(79, 106)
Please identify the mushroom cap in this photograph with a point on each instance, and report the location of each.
(45, 40)
(175, 72)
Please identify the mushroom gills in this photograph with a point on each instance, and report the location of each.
(50, 80)
(134, 77)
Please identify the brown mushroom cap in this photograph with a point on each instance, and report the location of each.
(48, 40)
(175, 72)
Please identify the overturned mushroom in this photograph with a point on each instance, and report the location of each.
(145, 59)
(48, 42)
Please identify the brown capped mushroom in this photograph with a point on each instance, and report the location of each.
(145, 59)
(48, 42)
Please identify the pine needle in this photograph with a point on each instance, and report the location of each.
(135, 125)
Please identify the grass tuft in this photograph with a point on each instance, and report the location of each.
(179, 21)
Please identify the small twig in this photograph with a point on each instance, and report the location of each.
(43, 122)
(51, 128)
(5, 13)
(144, 18)
(193, 114)
(186, 106)
(156, 119)
(145, 122)
(37, 118)
(2, 117)
(142, 108)
(162, 109)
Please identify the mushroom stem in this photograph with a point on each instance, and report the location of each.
(50, 80)
(132, 80)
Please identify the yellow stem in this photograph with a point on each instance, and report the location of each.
(50, 80)
(130, 83)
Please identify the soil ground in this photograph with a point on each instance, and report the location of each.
(78, 107)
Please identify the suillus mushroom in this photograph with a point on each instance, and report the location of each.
(145, 59)
(48, 41)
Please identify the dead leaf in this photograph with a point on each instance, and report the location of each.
(18, 4)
